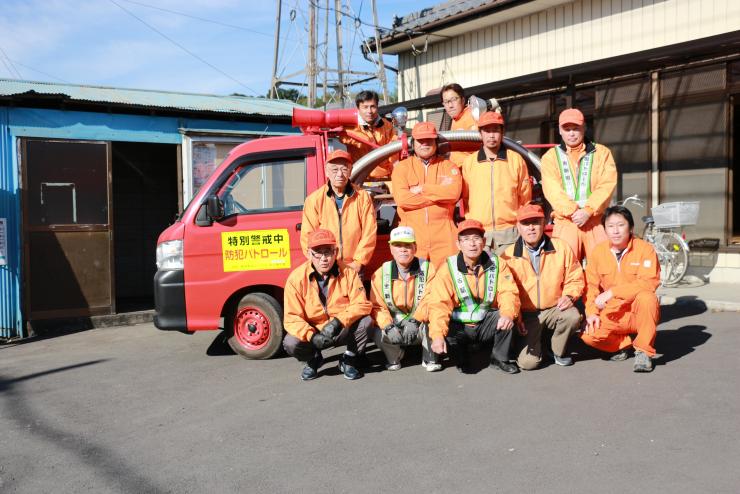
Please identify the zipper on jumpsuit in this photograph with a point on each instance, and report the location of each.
(493, 198)
(339, 215)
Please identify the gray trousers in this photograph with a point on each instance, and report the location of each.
(498, 240)
(561, 323)
(393, 352)
(355, 337)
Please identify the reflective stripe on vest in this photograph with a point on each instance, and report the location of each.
(582, 191)
(420, 282)
(470, 311)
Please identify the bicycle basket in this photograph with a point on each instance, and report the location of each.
(675, 214)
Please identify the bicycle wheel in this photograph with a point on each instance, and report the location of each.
(672, 255)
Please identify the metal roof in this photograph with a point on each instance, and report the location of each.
(420, 19)
(144, 98)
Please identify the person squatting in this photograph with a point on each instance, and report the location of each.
(494, 280)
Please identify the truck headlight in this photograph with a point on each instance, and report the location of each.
(169, 255)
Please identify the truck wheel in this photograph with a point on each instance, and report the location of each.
(256, 327)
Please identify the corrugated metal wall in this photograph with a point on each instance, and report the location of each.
(10, 314)
(569, 34)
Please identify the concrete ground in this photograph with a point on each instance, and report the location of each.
(133, 409)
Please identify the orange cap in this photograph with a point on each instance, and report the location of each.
(571, 116)
(490, 118)
(424, 130)
(339, 154)
(321, 237)
(470, 225)
(529, 211)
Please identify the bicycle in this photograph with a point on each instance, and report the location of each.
(671, 248)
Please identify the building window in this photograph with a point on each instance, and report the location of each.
(207, 154)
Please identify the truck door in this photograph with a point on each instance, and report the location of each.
(257, 242)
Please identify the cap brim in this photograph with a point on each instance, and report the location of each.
(425, 135)
(531, 216)
(402, 241)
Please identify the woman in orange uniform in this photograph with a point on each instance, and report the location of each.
(426, 188)
(622, 275)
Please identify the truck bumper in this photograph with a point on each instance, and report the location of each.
(169, 300)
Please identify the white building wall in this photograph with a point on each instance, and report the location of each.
(569, 34)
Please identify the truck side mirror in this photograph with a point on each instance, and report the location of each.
(214, 208)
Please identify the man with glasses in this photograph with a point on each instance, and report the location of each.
(371, 127)
(474, 301)
(578, 180)
(453, 100)
(426, 188)
(325, 306)
(399, 290)
(549, 279)
(345, 210)
(495, 184)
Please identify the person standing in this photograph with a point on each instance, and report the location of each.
(496, 184)
(345, 210)
(426, 188)
(371, 127)
(578, 180)
(474, 300)
(399, 296)
(550, 280)
(325, 306)
(453, 101)
(622, 275)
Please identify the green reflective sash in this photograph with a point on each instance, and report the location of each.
(469, 311)
(577, 192)
(419, 284)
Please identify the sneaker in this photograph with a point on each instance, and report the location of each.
(620, 356)
(507, 367)
(431, 366)
(564, 361)
(347, 367)
(397, 365)
(643, 362)
(311, 370)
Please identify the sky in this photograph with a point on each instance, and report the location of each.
(197, 46)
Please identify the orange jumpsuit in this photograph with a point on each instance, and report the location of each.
(443, 296)
(381, 134)
(303, 311)
(634, 308)
(602, 184)
(354, 226)
(497, 187)
(429, 213)
(464, 121)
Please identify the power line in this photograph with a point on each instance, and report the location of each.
(212, 21)
(354, 18)
(39, 71)
(202, 60)
(9, 64)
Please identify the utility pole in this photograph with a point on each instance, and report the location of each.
(379, 49)
(273, 86)
(340, 67)
(326, 54)
(311, 54)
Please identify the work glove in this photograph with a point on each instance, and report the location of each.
(321, 341)
(332, 328)
(393, 334)
(410, 331)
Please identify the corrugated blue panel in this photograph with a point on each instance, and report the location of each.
(10, 311)
(142, 98)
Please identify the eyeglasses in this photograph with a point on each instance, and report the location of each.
(333, 170)
(470, 239)
(325, 253)
(451, 101)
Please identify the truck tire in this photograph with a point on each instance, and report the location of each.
(256, 327)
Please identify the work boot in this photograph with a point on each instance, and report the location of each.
(348, 366)
(643, 362)
(507, 367)
(311, 370)
(564, 361)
